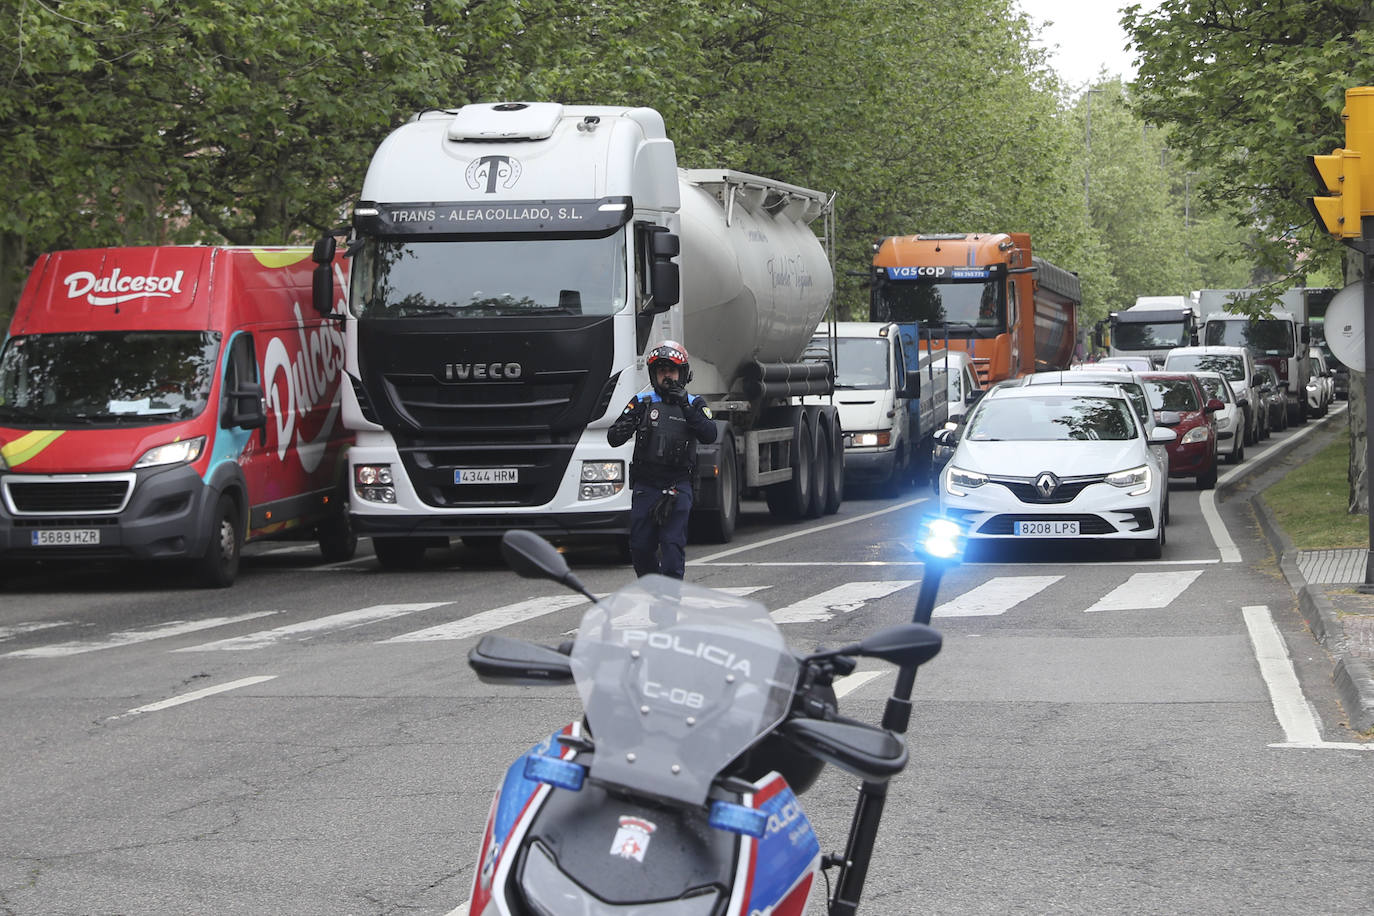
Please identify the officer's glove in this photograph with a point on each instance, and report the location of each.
(663, 509)
(676, 394)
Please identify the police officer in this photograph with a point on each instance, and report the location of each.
(666, 424)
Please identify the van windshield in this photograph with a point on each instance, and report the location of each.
(489, 279)
(1266, 336)
(861, 362)
(106, 377)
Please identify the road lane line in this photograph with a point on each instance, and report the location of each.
(494, 619)
(19, 629)
(843, 599)
(346, 620)
(1146, 590)
(1295, 716)
(805, 531)
(195, 695)
(995, 596)
(1208, 499)
(130, 637)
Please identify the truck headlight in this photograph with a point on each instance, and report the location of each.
(881, 438)
(957, 480)
(1136, 478)
(373, 482)
(600, 479)
(183, 452)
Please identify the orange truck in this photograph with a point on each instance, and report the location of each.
(984, 293)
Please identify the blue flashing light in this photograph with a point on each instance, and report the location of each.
(555, 772)
(941, 538)
(738, 819)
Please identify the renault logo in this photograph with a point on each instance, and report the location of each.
(1047, 483)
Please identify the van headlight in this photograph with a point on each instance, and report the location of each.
(182, 452)
(1136, 479)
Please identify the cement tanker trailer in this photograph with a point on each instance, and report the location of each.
(512, 264)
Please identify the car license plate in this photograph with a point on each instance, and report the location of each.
(65, 537)
(1060, 529)
(486, 475)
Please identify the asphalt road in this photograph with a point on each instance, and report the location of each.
(1100, 734)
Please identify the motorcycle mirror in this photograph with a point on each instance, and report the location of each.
(905, 645)
(532, 557)
(502, 660)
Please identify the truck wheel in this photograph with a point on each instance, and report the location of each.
(399, 553)
(790, 499)
(335, 536)
(716, 524)
(820, 465)
(834, 485)
(219, 566)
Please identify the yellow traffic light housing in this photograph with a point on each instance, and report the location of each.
(1339, 174)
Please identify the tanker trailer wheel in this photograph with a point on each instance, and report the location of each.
(834, 485)
(820, 462)
(790, 499)
(716, 525)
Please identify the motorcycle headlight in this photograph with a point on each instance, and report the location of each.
(1136, 480)
(183, 452)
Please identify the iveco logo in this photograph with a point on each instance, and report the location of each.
(469, 372)
(1047, 483)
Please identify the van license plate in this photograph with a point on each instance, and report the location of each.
(66, 537)
(1047, 529)
(486, 475)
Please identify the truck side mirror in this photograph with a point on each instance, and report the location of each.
(245, 409)
(664, 274)
(1306, 334)
(322, 281)
(911, 386)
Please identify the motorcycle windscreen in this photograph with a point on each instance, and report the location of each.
(676, 681)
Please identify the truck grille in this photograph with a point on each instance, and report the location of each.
(68, 496)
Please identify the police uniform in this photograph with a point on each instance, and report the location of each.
(666, 433)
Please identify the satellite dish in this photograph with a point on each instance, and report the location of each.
(1344, 326)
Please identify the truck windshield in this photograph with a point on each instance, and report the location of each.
(968, 309)
(861, 363)
(113, 377)
(1156, 336)
(1266, 336)
(489, 279)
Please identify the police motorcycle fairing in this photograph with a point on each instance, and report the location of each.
(675, 796)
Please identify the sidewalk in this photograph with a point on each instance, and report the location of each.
(1341, 617)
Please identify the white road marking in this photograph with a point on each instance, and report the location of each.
(842, 598)
(1146, 590)
(847, 685)
(19, 629)
(711, 558)
(494, 619)
(1295, 716)
(1208, 500)
(196, 695)
(307, 628)
(130, 637)
(995, 596)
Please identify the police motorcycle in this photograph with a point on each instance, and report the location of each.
(676, 794)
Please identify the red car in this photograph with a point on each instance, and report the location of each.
(1179, 404)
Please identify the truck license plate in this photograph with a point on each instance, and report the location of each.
(1059, 529)
(486, 475)
(65, 537)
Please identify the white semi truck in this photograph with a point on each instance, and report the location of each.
(512, 264)
(1279, 339)
(1151, 327)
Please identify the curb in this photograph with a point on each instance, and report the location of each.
(1352, 676)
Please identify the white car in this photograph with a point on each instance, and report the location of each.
(1061, 462)
(1237, 364)
(1230, 420)
(1321, 387)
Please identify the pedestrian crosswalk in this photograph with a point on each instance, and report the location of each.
(997, 596)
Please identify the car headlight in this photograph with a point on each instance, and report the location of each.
(957, 480)
(183, 452)
(1196, 434)
(1138, 479)
(1223, 423)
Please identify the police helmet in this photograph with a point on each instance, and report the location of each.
(674, 353)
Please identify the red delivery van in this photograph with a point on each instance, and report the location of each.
(171, 403)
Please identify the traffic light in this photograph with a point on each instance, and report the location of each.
(1348, 173)
(1339, 174)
